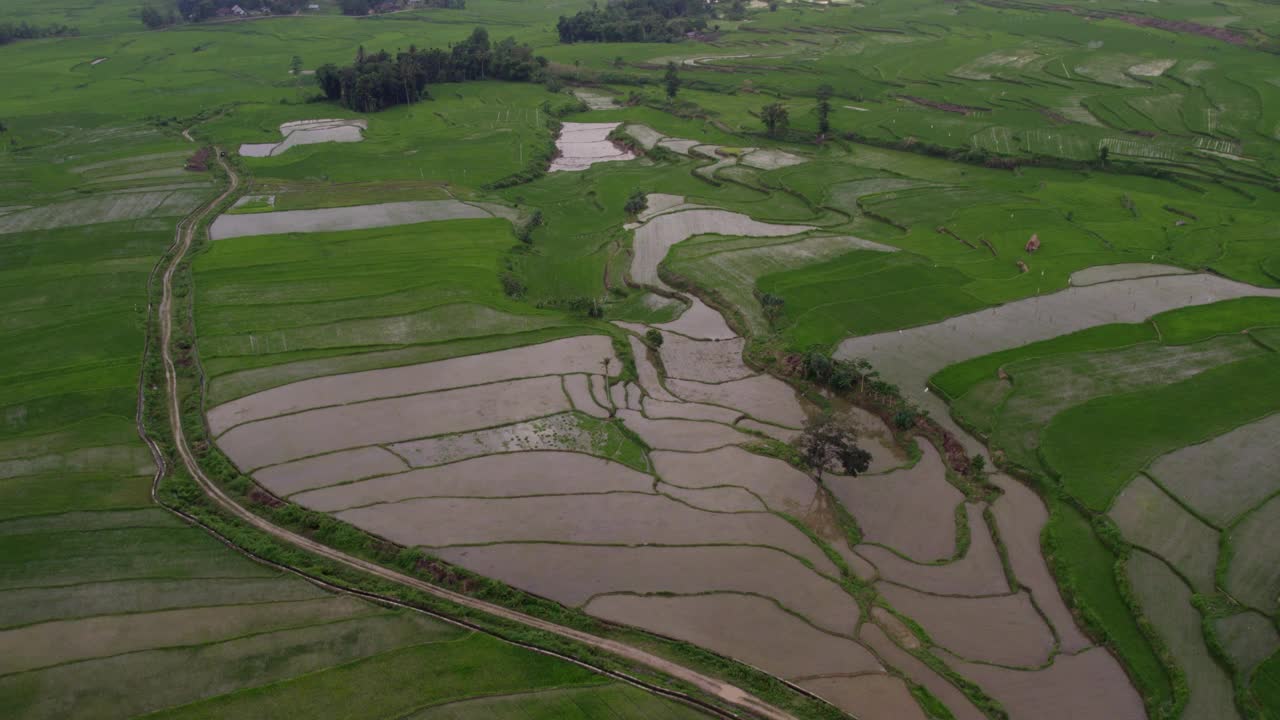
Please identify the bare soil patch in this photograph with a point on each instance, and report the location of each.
(345, 218)
(583, 354)
(1248, 637)
(622, 519)
(1020, 518)
(716, 499)
(895, 628)
(764, 397)
(595, 100)
(1123, 271)
(308, 132)
(645, 135)
(389, 420)
(579, 389)
(711, 361)
(910, 510)
(1150, 519)
(574, 574)
(782, 487)
(922, 674)
(491, 476)
(1089, 685)
(656, 237)
(868, 697)
(1166, 601)
(582, 145)
(1254, 574)
(1004, 629)
(979, 572)
(686, 435)
(769, 159)
(322, 470)
(649, 379)
(731, 625)
(689, 411)
(700, 322)
(557, 432)
(1227, 475)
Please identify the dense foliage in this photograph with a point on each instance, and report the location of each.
(25, 31)
(204, 9)
(635, 21)
(364, 7)
(378, 81)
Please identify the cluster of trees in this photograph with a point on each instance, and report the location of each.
(155, 18)
(635, 21)
(379, 80)
(26, 31)
(364, 7)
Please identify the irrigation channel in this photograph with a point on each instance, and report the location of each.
(183, 239)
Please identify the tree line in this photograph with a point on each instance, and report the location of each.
(364, 7)
(379, 80)
(635, 21)
(26, 31)
(197, 10)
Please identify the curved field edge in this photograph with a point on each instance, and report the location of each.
(183, 494)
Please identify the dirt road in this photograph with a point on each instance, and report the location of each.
(182, 244)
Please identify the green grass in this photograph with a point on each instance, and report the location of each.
(1188, 325)
(608, 702)
(1266, 687)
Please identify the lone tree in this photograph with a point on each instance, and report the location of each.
(775, 118)
(826, 443)
(653, 337)
(672, 80)
(824, 108)
(637, 203)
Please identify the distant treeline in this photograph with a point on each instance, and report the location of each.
(364, 7)
(378, 81)
(198, 10)
(636, 21)
(25, 31)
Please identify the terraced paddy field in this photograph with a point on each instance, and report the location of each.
(550, 344)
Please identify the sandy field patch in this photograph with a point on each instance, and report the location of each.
(1254, 574)
(1248, 637)
(1227, 475)
(1123, 271)
(658, 203)
(491, 476)
(1152, 68)
(618, 395)
(1005, 629)
(289, 478)
(782, 487)
(678, 145)
(358, 217)
(578, 387)
(711, 361)
(582, 145)
(979, 572)
(1089, 685)
(643, 134)
(64, 641)
(910, 510)
(621, 519)
(867, 697)
(1166, 601)
(689, 411)
(1020, 517)
(582, 354)
(763, 397)
(656, 237)
(281, 439)
(309, 132)
(686, 435)
(731, 625)
(635, 397)
(895, 628)
(595, 100)
(649, 379)
(557, 432)
(956, 701)
(1152, 520)
(769, 159)
(572, 575)
(909, 357)
(721, 499)
(699, 321)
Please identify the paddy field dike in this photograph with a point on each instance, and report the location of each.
(549, 348)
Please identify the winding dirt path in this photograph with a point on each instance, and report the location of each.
(183, 240)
